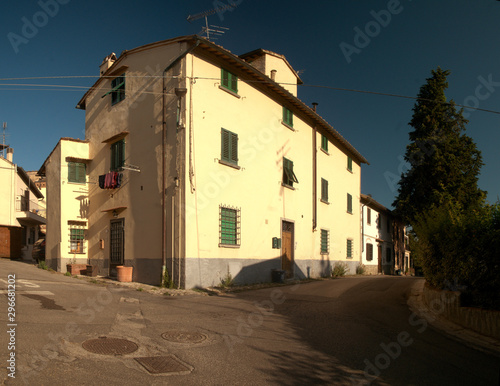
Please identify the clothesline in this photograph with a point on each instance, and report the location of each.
(111, 180)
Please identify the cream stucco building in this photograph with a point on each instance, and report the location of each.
(205, 164)
(22, 210)
(67, 189)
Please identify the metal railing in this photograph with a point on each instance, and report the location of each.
(25, 205)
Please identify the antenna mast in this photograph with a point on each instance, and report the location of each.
(214, 29)
(4, 146)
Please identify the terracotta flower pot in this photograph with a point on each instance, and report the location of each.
(124, 274)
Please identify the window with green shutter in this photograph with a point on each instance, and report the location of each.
(117, 89)
(349, 203)
(287, 116)
(229, 80)
(349, 248)
(117, 155)
(324, 190)
(288, 175)
(349, 164)
(325, 241)
(368, 216)
(229, 146)
(324, 143)
(76, 172)
(229, 226)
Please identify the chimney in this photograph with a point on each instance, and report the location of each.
(273, 75)
(10, 154)
(314, 106)
(107, 62)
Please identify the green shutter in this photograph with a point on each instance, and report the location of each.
(349, 203)
(324, 190)
(324, 143)
(71, 172)
(229, 80)
(349, 164)
(289, 176)
(287, 116)
(229, 146)
(117, 155)
(324, 241)
(349, 248)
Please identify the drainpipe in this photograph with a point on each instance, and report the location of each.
(163, 166)
(315, 167)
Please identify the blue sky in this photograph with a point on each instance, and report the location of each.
(399, 43)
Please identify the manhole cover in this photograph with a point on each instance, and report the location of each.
(184, 337)
(109, 346)
(164, 364)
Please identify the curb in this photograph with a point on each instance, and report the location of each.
(470, 338)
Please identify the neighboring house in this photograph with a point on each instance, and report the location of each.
(385, 243)
(40, 183)
(67, 197)
(204, 164)
(21, 213)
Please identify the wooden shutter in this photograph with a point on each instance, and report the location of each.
(72, 172)
(324, 190)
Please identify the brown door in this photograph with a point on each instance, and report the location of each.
(116, 244)
(379, 258)
(287, 248)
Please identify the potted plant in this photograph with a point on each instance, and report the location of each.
(124, 274)
(91, 270)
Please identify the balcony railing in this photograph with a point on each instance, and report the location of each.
(25, 205)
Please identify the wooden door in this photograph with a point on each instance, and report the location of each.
(116, 244)
(287, 248)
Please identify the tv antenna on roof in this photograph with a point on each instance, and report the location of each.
(3, 146)
(215, 30)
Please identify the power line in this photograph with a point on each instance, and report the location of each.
(79, 88)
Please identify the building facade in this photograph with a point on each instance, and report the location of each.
(67, 189)
(204, 165)
(22, 211)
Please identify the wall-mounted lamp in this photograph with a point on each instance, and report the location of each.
(115, 214)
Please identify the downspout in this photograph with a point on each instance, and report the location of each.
(315, 172)
(163, 166)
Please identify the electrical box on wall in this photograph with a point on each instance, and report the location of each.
(276, 243)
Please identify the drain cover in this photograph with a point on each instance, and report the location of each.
(184, 336)
(164, 364)
(109, 346)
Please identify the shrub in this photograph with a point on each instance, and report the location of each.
(42, 265)
(339, 269)
(360, 269)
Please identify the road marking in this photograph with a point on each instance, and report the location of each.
(28, 292)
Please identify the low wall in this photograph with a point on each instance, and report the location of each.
(447, 304)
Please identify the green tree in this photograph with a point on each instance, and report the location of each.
(444, 163)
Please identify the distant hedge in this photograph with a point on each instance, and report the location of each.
(461, 251)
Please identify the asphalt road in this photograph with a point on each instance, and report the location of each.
(353, 330)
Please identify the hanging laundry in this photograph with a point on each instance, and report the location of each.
(119, 180)
(108, 180)
(101, 181)
(114, 178)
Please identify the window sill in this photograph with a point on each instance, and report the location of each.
(349, 170)
(230, 92)
(77, 183)
(287, 186)
(324, 202)
(287, 125)
(324, 151)
(349, 212)
(228, 246)
(115, 103)
(324, 253)
(226, 163)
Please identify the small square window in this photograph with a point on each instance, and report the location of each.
(349, 248)
(229, 226)
(77, 172)
(229, 146)
(288, 175)
(325, 241)
(287, 117)
(324, 143)
(229, 80)
(349, 203)
(324, 190)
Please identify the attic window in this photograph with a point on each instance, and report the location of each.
(117, 89)
(229, 81)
